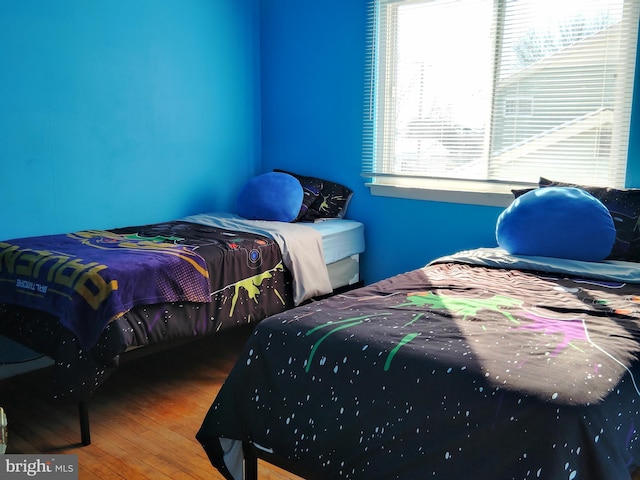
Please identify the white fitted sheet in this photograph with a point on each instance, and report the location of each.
(341, 238)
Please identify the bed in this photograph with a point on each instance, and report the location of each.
(486, 362)
(162, 284)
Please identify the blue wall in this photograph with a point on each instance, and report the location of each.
(117, 112)
(312, 98)
(312, 102)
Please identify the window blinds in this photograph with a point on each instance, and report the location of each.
(500, 90)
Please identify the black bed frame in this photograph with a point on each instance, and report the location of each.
(253, 455)
(83, 415)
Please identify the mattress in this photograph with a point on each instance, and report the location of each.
(341, 238)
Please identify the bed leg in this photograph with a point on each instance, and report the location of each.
(83, 413)
(250, 463)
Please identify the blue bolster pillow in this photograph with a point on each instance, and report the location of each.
(271, 196)
(561, 222)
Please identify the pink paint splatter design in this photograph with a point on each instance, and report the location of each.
(570, 329)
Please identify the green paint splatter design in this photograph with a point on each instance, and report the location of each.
(461, 306)
(464, 306)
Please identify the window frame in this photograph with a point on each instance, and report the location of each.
(451, 190)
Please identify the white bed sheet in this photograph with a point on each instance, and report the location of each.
(341, 238)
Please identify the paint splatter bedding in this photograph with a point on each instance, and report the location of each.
(246, 282)
(475, 363)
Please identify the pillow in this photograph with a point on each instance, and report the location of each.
(561, 222)
(332, 199)
(522, 191)
(311, 188)
(624, 206)
(270, 196)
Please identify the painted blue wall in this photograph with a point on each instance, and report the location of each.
(312, 102)
(117, 112)
(312, 98)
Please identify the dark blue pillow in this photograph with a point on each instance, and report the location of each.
(561, 222)
(271, 196)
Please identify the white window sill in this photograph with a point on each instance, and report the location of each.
(450, 191)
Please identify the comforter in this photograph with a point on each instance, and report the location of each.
(246, 281)
(507, 367)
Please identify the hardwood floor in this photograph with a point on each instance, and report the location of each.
(143, 419)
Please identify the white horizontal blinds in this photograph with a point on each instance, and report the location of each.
(501, 90)
(380, 88)
(371, 67)
(443, 73)
(562, 97)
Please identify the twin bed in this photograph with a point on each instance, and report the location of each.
(480, 363)
(219, 271)
(485, 363)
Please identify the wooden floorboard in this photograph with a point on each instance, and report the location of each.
(143, 419)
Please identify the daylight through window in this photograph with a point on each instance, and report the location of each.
(500, 90)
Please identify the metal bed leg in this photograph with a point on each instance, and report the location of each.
(83, 413)
(250, 463)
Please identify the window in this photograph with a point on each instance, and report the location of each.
(474, 94)
(518, 106)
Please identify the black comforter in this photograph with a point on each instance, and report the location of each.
(248, 282)
(443, 372)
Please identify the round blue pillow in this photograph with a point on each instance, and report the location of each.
(561, 222)
(271, 196)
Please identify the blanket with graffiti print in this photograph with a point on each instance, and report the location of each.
(456, 367)
(88, 278)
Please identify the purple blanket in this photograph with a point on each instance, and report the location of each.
(89, 278)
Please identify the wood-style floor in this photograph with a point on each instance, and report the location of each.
(143, 419)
